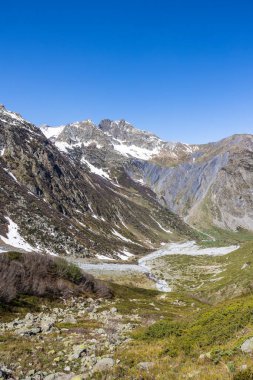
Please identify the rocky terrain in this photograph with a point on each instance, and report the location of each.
(88, 339)
(138, 334)
(210, 188)
(208, 185)
(59, 203)
(175, 300)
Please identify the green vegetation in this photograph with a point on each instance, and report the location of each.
(210, 328)
(194, 332)
(226, 237)
(82, 324)
(12, 255)
(67, 270)
(205, 342)
(209, 278)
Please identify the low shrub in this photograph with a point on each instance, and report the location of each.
(244, 375)
(211, 328)
(43, 275)
(163, 329)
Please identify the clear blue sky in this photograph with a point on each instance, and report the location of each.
(182, 69)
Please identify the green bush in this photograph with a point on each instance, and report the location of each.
(12, 255)
(212, 328)
(67, 270)
(163, 329)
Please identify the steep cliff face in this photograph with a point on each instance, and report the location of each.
(181, 187)
(231, 196)
(58, 201)
(214, 186)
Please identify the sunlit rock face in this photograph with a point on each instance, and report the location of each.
(208, 183)
(64, 191)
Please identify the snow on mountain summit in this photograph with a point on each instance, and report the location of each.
(51, 132)
(119, 136)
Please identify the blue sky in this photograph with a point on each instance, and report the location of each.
(181, 69)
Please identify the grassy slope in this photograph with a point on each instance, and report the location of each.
(174, 329)
(210, 278)
(175, 343)
(192, 328)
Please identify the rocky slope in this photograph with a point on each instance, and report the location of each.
(212, 187)
(207, 184)
(62, 203)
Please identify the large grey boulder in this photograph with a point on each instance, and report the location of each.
(103, 365)
(59, 376)
(247, 346)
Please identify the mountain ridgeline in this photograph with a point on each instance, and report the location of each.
(112, 191)
(63, 200)
(207, 185)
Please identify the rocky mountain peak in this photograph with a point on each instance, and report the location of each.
(10, 116)
(122, 129)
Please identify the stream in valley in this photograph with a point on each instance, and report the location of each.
(143, 265)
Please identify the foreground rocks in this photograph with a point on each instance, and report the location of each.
(247, 346)
(5, 373)
(85, 350)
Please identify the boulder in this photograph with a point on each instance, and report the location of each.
(5, 373)
(247, 346)
(104, 364)
(78, 351)
(69, 319)
(59, 376)
(47, 323)
(205, 356)
(145, 365)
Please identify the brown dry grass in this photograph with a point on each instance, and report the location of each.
(42, 275)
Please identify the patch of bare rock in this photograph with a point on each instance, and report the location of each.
(83, 354)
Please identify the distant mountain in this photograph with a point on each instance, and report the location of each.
(113, 191)
(65, 191)
(119, 136)
(210, 184)
(214, 186)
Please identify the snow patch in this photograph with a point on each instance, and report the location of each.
(127, 253)
(12, 115)
(135, 151)
(96, 170)
(50, 132)
(162, 228)
(122, 257)
(12, 175)
(103, 257)
(62, 146)
(14, 238)
(116, 233)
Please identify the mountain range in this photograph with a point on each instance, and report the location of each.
(111, 191)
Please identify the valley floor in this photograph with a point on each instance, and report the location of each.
(149, 266)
